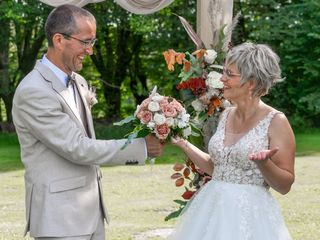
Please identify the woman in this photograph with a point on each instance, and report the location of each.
(252, 150)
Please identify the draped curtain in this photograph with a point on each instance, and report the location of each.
(134, 6)
(212, 15)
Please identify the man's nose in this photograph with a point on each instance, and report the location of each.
(89, 50)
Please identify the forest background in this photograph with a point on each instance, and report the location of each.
(128, 61)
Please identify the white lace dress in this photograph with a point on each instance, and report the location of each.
(236, 204)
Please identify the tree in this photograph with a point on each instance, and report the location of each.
(22, 37)
(292, 29)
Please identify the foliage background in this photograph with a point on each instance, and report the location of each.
(128, 61)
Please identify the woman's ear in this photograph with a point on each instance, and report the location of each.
(251, 85)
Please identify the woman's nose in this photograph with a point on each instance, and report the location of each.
(223, 78)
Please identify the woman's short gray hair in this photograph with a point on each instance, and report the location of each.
(63, 20)
(257, 63)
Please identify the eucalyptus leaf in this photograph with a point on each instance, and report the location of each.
(125, 121)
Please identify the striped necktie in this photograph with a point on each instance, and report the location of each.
(70, 80)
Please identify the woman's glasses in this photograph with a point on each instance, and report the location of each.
(229, 74)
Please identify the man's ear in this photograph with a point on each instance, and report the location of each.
(58, 40)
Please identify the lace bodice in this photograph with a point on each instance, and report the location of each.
(231, 163)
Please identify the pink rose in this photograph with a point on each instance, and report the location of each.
(145, 103)
(162, 131)
(145, 116)
(163, 102)
(169, 110)
(174, 103)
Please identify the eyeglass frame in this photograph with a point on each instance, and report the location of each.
(229, 74)
(85, 44)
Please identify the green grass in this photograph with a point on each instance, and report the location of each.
(307, 144)
(139, 198)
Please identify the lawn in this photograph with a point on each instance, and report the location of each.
(139, 198)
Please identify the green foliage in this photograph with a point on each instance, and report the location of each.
(292, 28)
(178, 212)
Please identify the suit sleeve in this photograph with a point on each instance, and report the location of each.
(42, 115)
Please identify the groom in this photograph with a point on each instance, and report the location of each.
(61, 156)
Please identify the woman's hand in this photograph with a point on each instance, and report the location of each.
(180, 142)
(263, 156)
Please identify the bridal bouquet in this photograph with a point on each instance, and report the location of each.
(200, 84)
(161, 115)
(201, 92)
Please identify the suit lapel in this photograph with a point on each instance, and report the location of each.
(61, 90)
(82, 92)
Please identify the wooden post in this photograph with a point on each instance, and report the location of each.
(212, 15)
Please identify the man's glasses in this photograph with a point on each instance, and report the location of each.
(85, 43)
(229, 74)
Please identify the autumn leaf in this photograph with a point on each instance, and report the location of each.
(176, 175)
(179, 182)
(178, 167)
(188, 194)
(186, 172)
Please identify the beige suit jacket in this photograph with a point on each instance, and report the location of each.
(61, 157)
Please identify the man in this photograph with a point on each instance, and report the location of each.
(58, 146)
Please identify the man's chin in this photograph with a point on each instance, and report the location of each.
(78, 68)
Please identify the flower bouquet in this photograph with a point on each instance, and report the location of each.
(200, 84)
(202, 93)
(161, 115)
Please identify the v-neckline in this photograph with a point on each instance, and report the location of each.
(245, 134)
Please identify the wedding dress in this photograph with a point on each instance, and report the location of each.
(236, 204)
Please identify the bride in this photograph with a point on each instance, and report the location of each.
(252, 150)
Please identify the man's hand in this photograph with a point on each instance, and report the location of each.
(154, 146)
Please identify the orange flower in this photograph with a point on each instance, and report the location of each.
(170, 58)
(186, 66)
(215, 103)
(200, 53)
(180, 57)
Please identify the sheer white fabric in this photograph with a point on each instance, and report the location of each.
(134, 6)
(236, 204)
(79, 3)
(143, 6)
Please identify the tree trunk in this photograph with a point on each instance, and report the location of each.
(6, 92)
(138, 78)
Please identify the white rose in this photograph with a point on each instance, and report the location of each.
(186, 132)
(212, 92)
(154, 106)
(157, 97)
(159, 119)
(184, 116)
(198, 105)
(137, 110)
(210, 56)
(213, 80)
(170, 121)
(182, 120)
(151, 125)
(181, 123)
